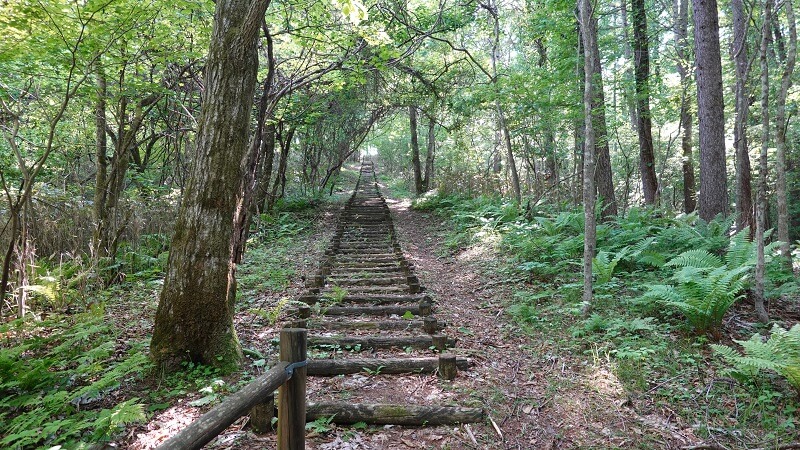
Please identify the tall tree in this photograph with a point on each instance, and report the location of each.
(644, 123)
(761, 206)
(681, 20)
(415, 160)
(592, 90)
(780, 132)
(713, 195)
(602, 166)
(501, 117)
(194, 319)
(744, 191)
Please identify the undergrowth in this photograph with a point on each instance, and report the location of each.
(654, 335)
(60, 381)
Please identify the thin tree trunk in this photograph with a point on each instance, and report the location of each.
(713, 196)
(591, 91)
(744, 192)
(415, 162)
(580, 123)
(780, 134)
(280, 175)
(644, 127)
(603, 172)
(681, 10)
(630, 97)
(194, 319)
(761, 216)
(427, 182)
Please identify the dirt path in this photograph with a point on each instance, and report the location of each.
(536, 397)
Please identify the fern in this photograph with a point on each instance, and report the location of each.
(603, 264)
(702, 295)
(110, 420)
(780, 353)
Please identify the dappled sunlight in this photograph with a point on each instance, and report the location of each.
(163, 426)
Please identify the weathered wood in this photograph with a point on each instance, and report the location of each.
(386, 325)
(363, 281)
(430, 325)
(371, 310)
(425, 308)
(262, 414)
(418, 342)
(448, 366)
(383, 366)
(292, 395)
(441, 342)
(212, 423)
(385, 414)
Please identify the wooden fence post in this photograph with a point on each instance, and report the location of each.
(292, 395)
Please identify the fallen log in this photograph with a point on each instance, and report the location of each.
(383, 366)
(418, 342)
(385, 414)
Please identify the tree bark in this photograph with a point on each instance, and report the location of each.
(780, 134)
(761, 216)
(713, 196)
(591, 91)
(501, 118)
(644, 128)
(580, 123)
(603, 173)
(415, 162)
(681, 10)
(427, 182)
(194, 319)
(744, 191)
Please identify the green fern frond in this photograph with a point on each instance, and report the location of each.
(780, 353)
(695, 258)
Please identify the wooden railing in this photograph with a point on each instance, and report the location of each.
(288, 377)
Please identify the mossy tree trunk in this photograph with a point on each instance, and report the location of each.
(195, 312)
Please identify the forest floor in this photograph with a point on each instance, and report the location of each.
(539, 388)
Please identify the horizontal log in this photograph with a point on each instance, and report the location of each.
(372, 310)
(385, 414)
(212, 423)
(377, 299)
(358, 290)
(417, 342)
(364, 281)
(384, 366)
(388, 325)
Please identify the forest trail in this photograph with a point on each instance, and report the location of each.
(533, 396)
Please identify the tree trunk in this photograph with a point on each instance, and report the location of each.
(501, 118)
(713, 196)
(194, 319)
(280, 175)
(681, 10)
(512, 165)
(630, 97)
(603, 173)
(268, 155)
(761, 216)
(101, 165)
(591, 91)
(580, 123)
(644, 127)
(744, 192)
(780, 134)
(427, 182)
(415, 162)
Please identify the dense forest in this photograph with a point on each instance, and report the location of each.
(614, 184)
